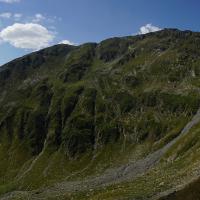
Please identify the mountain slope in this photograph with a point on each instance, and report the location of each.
(114, 120)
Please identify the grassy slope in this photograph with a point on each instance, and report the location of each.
(71, 112)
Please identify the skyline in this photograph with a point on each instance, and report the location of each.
(28, 25)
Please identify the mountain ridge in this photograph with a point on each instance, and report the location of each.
(70, 114)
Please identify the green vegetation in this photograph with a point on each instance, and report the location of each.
(68, 113)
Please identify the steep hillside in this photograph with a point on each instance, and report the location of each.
(114, 120)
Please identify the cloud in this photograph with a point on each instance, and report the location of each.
(148, 28)
(6, 15)
(17, 16)
(38, 18)
(10, 1)
(66, 42)
(27, 36)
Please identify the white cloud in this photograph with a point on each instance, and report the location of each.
(27, 36)
(148, 28)
(17, 16)
(6, 15)
(66, 42)
(10, 1)
(38, 18)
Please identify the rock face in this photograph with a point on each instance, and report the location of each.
(114, 120)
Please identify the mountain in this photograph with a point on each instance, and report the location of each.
(115, 120)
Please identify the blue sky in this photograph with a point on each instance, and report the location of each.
(28, 25)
